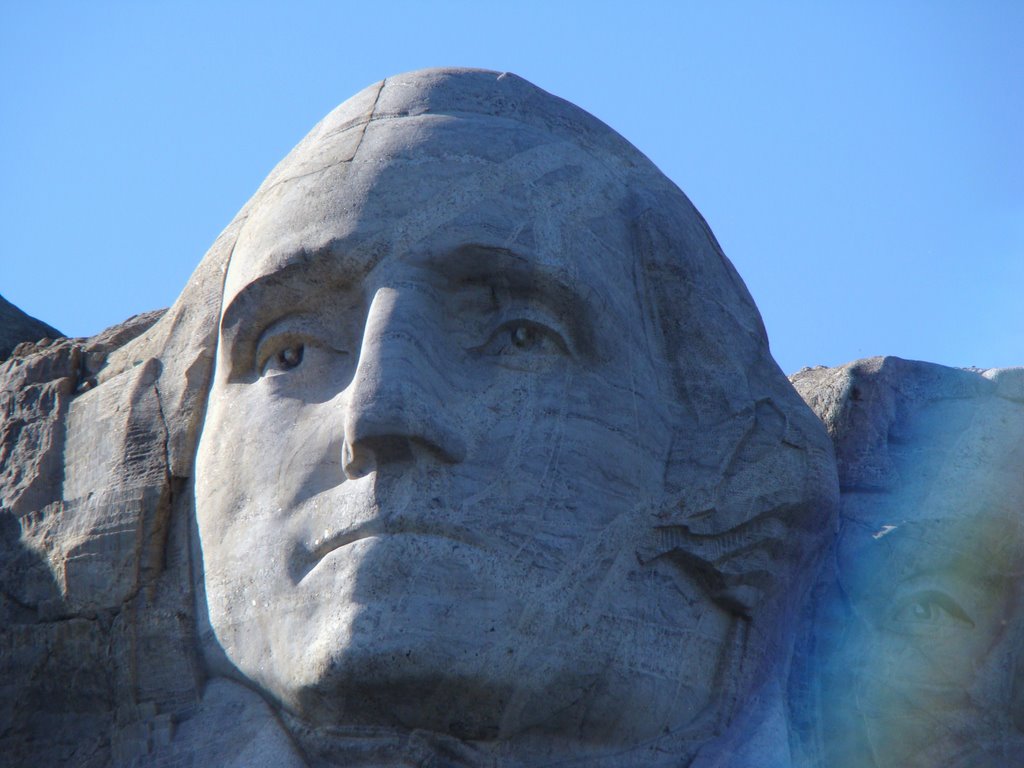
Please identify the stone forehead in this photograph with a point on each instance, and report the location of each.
(478, 98)
(436, 183)
(906, 426)
(481, 130)
(475, 93)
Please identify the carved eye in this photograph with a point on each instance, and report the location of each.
(523, 336)
(928, 611)
(523, 344)
(289, 357)
(284, 360)
(519, 336)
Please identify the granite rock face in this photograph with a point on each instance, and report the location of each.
(71, 561)
(463, 446)
(911, 654)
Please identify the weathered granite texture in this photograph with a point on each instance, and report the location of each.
(71, 554)
(494, 450)
(912, 654)
(463, 446)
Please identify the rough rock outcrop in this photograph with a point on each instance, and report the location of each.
(17, 327)
(76, 549)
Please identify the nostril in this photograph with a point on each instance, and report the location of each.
(391, 448)
(355, 463)
(363, 456)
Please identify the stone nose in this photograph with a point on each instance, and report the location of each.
(398, 407)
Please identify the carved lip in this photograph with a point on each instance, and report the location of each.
(307, 558)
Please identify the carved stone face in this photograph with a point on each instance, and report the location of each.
(469, 463)
(435, 429)
(920, 671)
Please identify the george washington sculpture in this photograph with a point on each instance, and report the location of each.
(463, 446)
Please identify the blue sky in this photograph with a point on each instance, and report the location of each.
(862, 164)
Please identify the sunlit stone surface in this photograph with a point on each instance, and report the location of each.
(463, 446)
(476, 463)
(913, 653)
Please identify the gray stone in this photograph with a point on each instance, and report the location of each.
(912, 650)
(469, 336)
(463, 446)
(64, 556)
(17, 327)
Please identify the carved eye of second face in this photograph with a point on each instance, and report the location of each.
(928, 611)
(523, 338)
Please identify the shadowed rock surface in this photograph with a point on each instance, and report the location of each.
(16, 327)
(68, 565)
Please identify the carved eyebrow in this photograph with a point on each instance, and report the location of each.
(336, 264)
(487, 265)
(307, 275)
(252, 298)
(475, 264)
